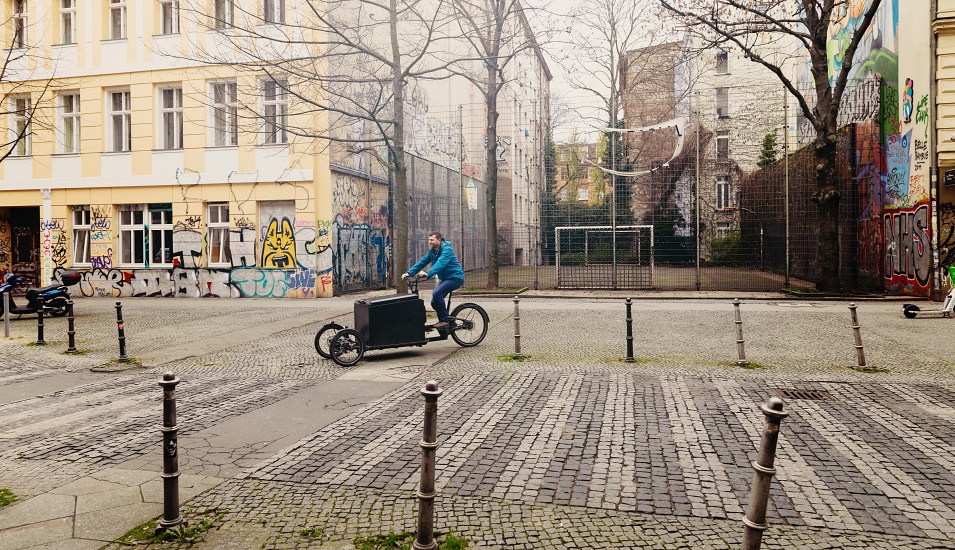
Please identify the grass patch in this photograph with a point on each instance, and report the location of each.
(190, 533)
(77, 352)
(513, 358)
(7, 497)
(129, 361)
(636, 360)
(405, 540)
(34, 344)
(750, 365)
(871, 369)
(312, 532)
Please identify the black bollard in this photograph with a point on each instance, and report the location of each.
(629, 332)
(39, 323)
(755, 520)
(170, 455)
(122, 333)
(424, 540)
(517, 327)
(71, 330)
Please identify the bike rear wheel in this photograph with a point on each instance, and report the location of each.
(324, 338)
(469, 324)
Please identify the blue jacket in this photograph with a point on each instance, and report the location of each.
(443, 262)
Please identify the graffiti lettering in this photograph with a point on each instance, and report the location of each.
(908, 256)
(51, 225)
(190, 222)
(244, 223)
(104, 224)
(103, 261)
(921, 113)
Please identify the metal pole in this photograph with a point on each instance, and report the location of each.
(697, 193)
(461, 176)
(755, 520)
(39, 322)
(429, 446)
(786, 170)
(6, 314)
(517, 327)
(741, 361)
(71, 330)
(170, 455)
(629, 332)
(860, 352)
(122, 333)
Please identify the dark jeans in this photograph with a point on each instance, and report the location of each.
(440, 292)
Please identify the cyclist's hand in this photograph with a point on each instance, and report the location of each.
(404, 276)
(423, 275)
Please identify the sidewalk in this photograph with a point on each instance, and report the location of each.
(574, 448)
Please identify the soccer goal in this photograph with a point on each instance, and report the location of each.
(587, 257)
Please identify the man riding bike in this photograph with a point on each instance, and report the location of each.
(445, 265)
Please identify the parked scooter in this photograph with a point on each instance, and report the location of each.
(51, 298)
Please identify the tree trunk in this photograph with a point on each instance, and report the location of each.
(827, 198)
(400, 238)
(491, 173)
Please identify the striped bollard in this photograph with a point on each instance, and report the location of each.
(629, 331)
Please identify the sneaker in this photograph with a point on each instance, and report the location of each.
(442, 324)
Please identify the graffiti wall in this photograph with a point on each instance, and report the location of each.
(360, 208)
(6, 240)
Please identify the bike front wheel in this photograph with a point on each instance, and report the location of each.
(469, 324)
(347, 347)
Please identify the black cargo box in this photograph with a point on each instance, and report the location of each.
(391, 321)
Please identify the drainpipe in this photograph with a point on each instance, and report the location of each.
(936, 291)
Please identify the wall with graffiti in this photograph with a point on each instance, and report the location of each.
(6, 240)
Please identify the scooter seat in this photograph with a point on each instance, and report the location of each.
(34, 293)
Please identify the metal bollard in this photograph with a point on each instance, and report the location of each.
(39, 323)
(860, 352)
(755, 520)
(740, 344)
(6, 314)
(424, 540)
(122, 333)
(517, 327)
(170, 455)
(629, 332)
(71, 329)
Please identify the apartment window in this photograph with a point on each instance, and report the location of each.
(20, 25)
(225, 13)
(69, 122)
(218, 227)
(722, 102)
(722, 144)
(722, 63)
(20, 127)
(583, 194)
(225, 130)
(170, 112)
(722, 194)
(274, 11)
(160, 235)
(81, 236)
(276, 112)
(67, 21)
(120, 121)
(563, 194)
(722, 230)
(169, 16)
(117, 19)
(132, 237)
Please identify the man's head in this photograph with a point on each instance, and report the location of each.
(434, 239)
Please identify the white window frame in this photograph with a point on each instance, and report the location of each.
(20, 24)
(273, 12)
(68, 122)
(722, 144)
(21, 124)
(67, 21)
(117, 19)
(223, 14)
(129, 242)
(583, 194)
(722, 102)
(225, 112)
(160, 237)
(722, 62)
(168, 16)
(123, 115)
(723, 195)
(275, 112)
(170, 117)
(218, 233)
(722, 230)
(81, 236)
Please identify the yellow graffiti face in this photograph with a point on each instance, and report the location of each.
(278, 250)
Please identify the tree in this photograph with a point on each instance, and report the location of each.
(749, 25)
(498, 32)
(767, 155)
(347, 67)
(25, 90)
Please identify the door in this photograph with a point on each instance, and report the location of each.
(25, 245)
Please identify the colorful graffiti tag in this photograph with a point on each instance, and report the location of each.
(908, 256)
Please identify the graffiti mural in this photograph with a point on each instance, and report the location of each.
(908, 256)
(278, 246)
(254, 282)
(946, 237)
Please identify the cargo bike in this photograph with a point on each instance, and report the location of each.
(397, 322)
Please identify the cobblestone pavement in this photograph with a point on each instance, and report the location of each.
(573, 448)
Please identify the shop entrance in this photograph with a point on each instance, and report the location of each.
(25, 244)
